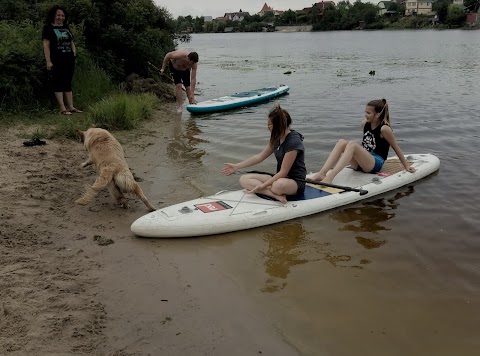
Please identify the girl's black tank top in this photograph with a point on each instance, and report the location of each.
(372, 141)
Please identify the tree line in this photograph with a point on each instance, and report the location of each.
(343, 16)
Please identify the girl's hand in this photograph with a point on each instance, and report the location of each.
(49, 65)
(256, 189)
(410, 169)
(228, 169)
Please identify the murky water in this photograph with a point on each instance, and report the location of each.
(397, 274)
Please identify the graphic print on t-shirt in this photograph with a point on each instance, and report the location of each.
(369, 141)
(64, 44)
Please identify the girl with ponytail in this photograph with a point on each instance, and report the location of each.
(372, 153)
(289, 152)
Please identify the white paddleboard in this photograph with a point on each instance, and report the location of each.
(238, 99)
(229, 211)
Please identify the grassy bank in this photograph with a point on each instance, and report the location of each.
(118, 111)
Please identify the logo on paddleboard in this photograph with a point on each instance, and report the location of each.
(213, 206)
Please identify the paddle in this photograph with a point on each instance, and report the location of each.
(168, 77)
(347, 189)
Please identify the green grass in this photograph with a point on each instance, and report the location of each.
(90, 84)
(123, 111)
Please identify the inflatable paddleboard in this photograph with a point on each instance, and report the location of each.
(229, 211)
(238, 99)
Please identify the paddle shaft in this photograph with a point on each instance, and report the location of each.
(166, 75)
(347, 189)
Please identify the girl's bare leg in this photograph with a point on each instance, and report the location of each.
(278, 190)
(353, 153)
(332, 159)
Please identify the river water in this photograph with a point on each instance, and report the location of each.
(394, 275)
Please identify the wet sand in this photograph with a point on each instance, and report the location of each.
(74, 280)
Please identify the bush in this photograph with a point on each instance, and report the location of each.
(21, 61)
(123, 111)
(90, 83)
(25, 81)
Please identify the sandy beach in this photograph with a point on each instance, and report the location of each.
(75, 281)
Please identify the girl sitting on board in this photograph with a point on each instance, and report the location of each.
(289, 152)
(372, 153)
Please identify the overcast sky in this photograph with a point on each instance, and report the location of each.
(218, 8)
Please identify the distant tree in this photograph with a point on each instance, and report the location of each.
(289, 17)
(441, 8)
(208, 26)
(198, 24)
(471, 5)
(456, 16)
(268, 17)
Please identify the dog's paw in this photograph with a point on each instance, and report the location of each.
(81, 201)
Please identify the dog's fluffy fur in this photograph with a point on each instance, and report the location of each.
(106, 153)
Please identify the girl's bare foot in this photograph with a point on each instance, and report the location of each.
(327, 180)
(319, 176)
(179, 110)
(281, 198)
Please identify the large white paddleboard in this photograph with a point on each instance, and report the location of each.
(238, 99)
(235, 210)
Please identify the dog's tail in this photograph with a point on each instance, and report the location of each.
(127, 184)
(101, 182)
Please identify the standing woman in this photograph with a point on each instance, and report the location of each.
(60, 53)
(290, 154)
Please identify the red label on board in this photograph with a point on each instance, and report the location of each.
(213, 206)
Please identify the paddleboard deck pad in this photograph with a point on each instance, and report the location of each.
(228, 211)
(238, 99)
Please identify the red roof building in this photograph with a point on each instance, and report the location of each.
(265, 9)
(321, 6)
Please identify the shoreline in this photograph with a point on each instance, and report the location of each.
(74, 280)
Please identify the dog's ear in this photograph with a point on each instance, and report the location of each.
(81, 135)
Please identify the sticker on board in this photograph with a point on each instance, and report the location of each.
(213, 206)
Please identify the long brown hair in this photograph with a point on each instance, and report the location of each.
(381, 107)
(281, 120)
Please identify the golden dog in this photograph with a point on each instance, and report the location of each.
(106, 153)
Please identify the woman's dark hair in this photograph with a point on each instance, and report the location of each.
(281, 120)
(381, 107)
(53, 11)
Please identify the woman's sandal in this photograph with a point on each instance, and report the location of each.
(65, 112)
(74, 110)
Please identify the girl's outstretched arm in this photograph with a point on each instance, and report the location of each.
(387, 133)
(231, 168)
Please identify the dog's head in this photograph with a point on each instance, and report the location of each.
(94, 136)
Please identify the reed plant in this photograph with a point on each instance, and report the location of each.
(123, 111)
(90, 83)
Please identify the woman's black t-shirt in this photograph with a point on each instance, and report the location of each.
(60, 39)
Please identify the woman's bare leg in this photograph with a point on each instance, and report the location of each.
(69, 97)
(61, 104)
